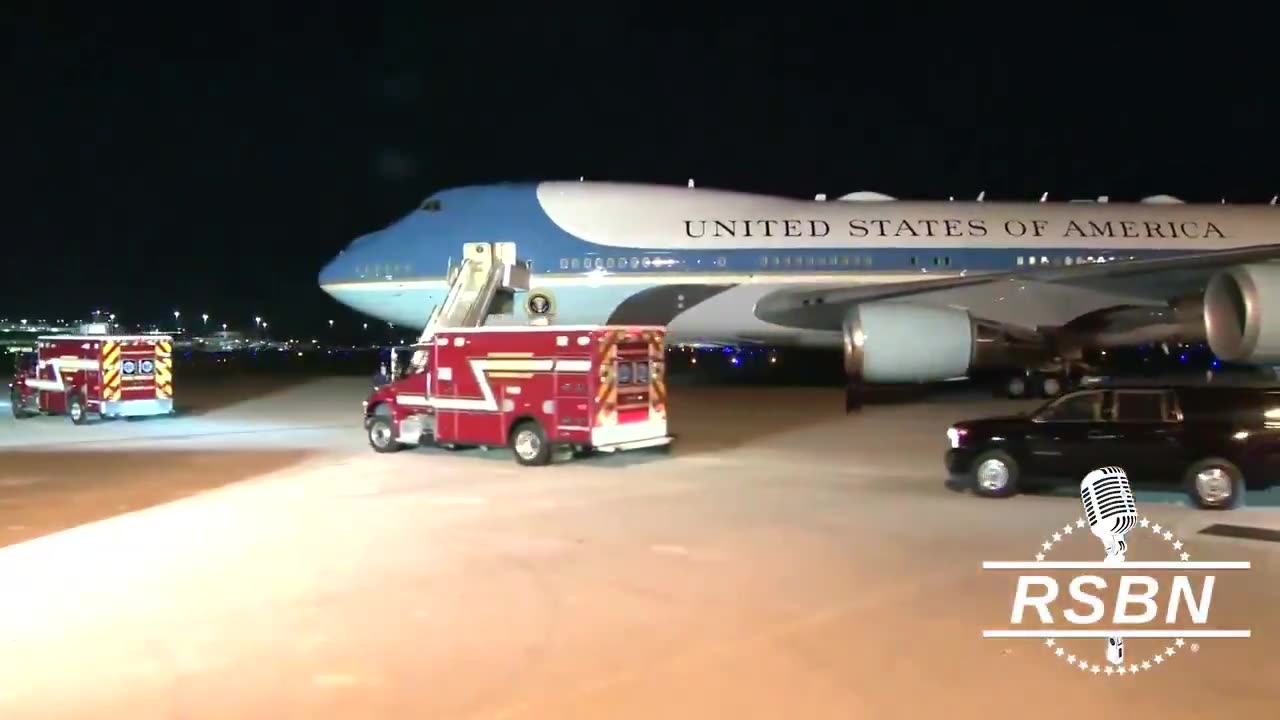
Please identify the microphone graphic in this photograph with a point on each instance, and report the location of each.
(1111, 513)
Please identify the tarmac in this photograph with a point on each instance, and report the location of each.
(253, 558)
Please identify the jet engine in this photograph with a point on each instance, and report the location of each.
(902, 342)
(1235, 320)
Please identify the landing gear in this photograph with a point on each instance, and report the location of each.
(852, 396)
(1035, 384)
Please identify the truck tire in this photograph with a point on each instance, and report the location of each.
(382, 435)
(76, 410)
(529, 443)
(16, 405)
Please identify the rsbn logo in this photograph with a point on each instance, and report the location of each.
(1111, 515)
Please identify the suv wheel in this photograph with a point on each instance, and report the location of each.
(995, 474)
(1214, 484)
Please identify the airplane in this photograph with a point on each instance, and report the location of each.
(909, 291)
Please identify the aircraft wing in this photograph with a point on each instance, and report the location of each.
(1029, 297)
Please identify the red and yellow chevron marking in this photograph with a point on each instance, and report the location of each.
(110, 370)
(657, 383)
(607, 393)
(164, 370)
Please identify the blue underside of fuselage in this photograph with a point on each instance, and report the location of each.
(396, 274)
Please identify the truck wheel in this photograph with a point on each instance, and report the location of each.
(530, 445)
(1214, 484)
(382, 436)
(16, 405)
(76, 409)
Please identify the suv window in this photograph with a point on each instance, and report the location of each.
(1142, 406)
(1080, 407)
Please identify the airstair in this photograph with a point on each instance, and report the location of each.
(481, 288)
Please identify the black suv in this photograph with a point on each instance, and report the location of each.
(1215, 441)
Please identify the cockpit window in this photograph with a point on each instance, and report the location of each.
(430, 205)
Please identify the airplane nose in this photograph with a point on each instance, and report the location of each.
(344, 267)
(332, 272)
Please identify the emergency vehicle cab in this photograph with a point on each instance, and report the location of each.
(108, 375)
(530, 388)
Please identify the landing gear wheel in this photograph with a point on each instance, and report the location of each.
(1214, 484)
(529, 442)
(995, 474)
(16, 405)
(382, 436)
(1016, 387)
(76, 409)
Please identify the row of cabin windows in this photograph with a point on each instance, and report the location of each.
(816, 261)
(602, 263)
(775, 261)
(382, 269)
(1065, 260)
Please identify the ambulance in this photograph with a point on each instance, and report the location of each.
(531, 388)
(110, 376)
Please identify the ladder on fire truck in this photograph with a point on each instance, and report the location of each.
(482, 286)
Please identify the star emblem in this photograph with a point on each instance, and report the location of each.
(1080, 523)
(1095, 670)
(1185, 556)
(1039, 557)
(1195, 647)
(1109, 670)
(1146, 665)
(1177, 545)
(1068, 529)
(1170, 651)
(1133, 669)
(1083, 665)
(1046, 545)
(1057, 537)
(1059, 652)
(1168, 535)
(1144, 522)
(1071, 659)
(1158, 659)
(1050, 642)
(1156, 529)
(1121, 670)
(1179, 642)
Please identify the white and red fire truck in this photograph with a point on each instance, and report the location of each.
(107, 375)
(533, 389)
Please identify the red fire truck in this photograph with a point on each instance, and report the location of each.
(589, 388)
(108, 375)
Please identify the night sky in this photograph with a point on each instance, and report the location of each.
(213, 162)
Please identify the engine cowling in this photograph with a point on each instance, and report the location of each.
(1236, 323)
(901, 342)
